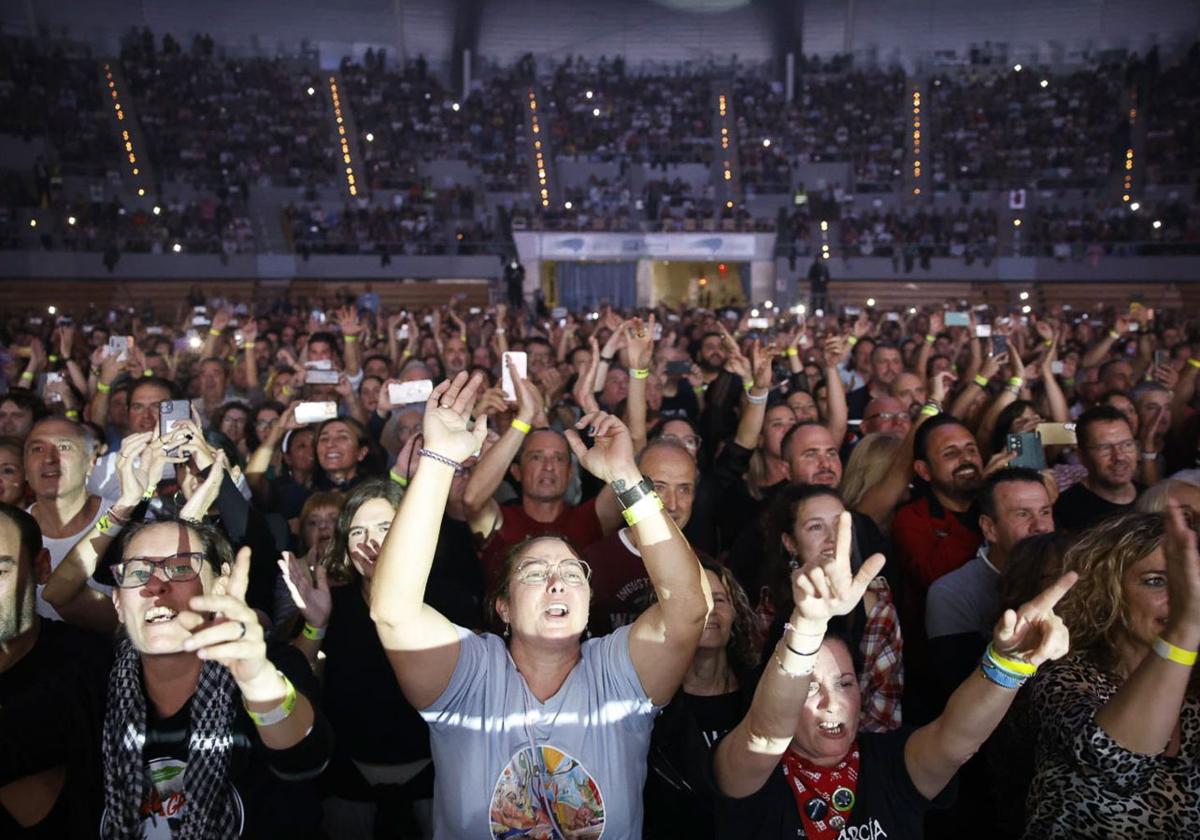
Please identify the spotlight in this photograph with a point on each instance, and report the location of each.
(33, 222)
(1017, 68)
(311, 90)
(71, 222)
(589, 94)
(1024, 295)
(568, 205)
(157, 210)
(870, 301)
(176, 247)
(769, 304)
(1135, 207)
(1157, 224)
(766, 142)
(1026, 309)
(370, 137)
(1045, 83)
(455, 106)
(595, 112)
(51, 310)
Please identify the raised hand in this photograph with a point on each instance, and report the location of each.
(234, 639)
(939, 386)
(447, 426)
(585, 384)
(1183, 571)
(836, 347)
(992, 364)
(348, 321)
(762, 360)
(205, 494)
(1033, 633)
(639, 342)
(140, 465)
(829, 589)
(531, 406)
(309, 589)
(611, 456)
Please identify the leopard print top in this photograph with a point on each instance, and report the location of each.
(1086, 785)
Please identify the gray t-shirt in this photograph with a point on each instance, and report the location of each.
(966, 600)
(509, 766)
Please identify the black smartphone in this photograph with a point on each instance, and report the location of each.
(1028, 447)
(680, 368)
(999, 344)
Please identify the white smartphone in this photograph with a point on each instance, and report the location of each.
(520, 361)
(154, 330)
(983, 330)
(758, 323)
(315, 412)
(892, 316)
(118, 345)
(402, 333)
(404, 393)
(316, 376)
(658, 332)
(320, 364)
(1056, 368)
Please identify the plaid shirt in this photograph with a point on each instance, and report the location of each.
(882, 677)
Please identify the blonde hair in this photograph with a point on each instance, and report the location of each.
(867, 465)
(1094, 609)
(1155, 499)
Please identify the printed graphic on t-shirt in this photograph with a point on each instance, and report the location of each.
(546, 795)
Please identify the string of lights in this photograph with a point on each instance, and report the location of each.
(916, 141)
(539, 158)
(126, 138)
(343, 139)
(726, 145)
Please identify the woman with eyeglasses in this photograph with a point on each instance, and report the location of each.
(193, 730)
(539, 733)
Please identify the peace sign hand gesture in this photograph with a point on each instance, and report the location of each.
(830, 589)
(1033, 633)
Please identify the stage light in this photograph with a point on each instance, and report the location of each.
(589, 94)
(769, 304)
(595, 112)
(195, 343)
(455, 107)
(1135, 207)
(824, 225)
(157, 210)
(1045, 83)
(71, 222)
(753, 313)
(1016, 222)
(722, 268)
(1026, 309)
(568, 205)
(912, 310)
(176, 247)
(870, 301)
(1024, 295)
(311, 90)
(33, 223)
(766, 142)
(1017, 68)
(141, 191)
(51, 310)
(1157, 224)
(370, 137)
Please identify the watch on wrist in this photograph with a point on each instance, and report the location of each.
(629, 496)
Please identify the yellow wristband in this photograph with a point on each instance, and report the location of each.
(1114, 335)
(1048, 342)
(53, 358)
(1173, 653)
(406, 354)
(929, 411)
(281, 712)
(27, 376)
(399, 479)
(639, 373)
(1016, 382)
(929, 339)
(1194, 362)
(851, 340)
(211, 331)
(462, 337)
(1025, 669)
(72, 414)
(521, 426)
(311, 633)
(147, 372)
(981, 380)
(642, 508)
(350, 339)
(792, 351)
(103, 389)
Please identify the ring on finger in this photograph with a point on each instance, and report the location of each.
(242, 635)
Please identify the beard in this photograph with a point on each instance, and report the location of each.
(964, 483)
(16, 617)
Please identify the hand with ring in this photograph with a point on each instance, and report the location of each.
(235, 638)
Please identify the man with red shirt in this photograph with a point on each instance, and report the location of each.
(620, 584)
(540, 460)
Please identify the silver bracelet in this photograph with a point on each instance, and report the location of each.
(441, 459)
(759, 400)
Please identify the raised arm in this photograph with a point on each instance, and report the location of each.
(749, 754)
(1098, 352)
(352, 334)
(421, 644)
(483, 514)
(663, 640)
(1025, 638)
(836, 347)
(639, 353)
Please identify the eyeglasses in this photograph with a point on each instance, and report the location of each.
(688, 442)
(570, 572)
(1125, 447)
(887, 416)
(137, 571)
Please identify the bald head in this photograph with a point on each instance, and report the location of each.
(886, 415)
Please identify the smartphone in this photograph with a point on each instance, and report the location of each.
(892, 316)
(1057, 368)
(852, 310)
(521, 362)
(200, 321)
(318, 316)
(170, 414)
(983, 330)
(658, 331)
(757, 323)
(319, 364)
(474, 310)
(999, 344)
(402, 333)
(680, 368)
(315, 412)
(957, 319)
(403, 393)
(199, 310)
(1028, 448)
(154, 330)
(558, 313)
(316, 376)
(118, 345)
(35, 322)
(1057, 434)
(1162, 358)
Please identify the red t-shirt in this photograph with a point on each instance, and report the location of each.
(620, 583)
(580, 525)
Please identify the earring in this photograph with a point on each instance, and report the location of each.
(507, 631)
(587, 634)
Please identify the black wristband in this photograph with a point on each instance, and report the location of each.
(608, 359)
(628, 498)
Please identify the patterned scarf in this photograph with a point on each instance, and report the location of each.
(210, 811)
(824, 795)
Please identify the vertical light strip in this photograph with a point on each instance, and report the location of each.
(538, 157)
(340, 121)
(1127, 184)
(916, 140)
(126, 137)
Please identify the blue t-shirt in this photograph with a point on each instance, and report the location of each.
(509, 766)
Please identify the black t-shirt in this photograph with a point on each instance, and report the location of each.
(61, 721)
(682, 406)
(59, 646)
(1079, 508)
(887, 804)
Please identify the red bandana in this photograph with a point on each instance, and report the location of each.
(824, 796)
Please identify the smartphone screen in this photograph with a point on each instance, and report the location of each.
(1028, 448)
(170, 414)
(520, 361)
(999, 344)
(957, 319)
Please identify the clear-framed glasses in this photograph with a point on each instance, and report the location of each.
(570, 572)
(689, 442)
(887, 416)
(137, 571)
(1125, 447)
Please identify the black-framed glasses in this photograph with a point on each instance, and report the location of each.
(137, 571)
(1125, 447)
(570, 572)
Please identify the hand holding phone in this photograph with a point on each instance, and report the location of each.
(405, 393)
(521, 363)
(315, 412)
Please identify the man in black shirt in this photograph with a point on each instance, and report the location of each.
(1109, 451)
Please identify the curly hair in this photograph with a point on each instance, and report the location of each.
(337, 556)
(1094, 610)
(741, 650)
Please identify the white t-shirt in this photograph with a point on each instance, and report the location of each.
(59, 549)
(573, 766)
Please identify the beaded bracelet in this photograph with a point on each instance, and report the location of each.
(442, 459)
